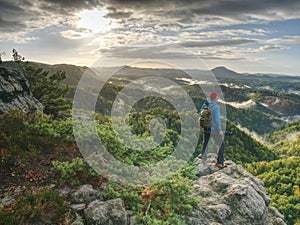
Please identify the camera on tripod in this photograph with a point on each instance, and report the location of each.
(228, 133)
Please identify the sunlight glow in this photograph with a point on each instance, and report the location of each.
(94, 20)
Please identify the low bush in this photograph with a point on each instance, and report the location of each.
(162, 203)
(42, 207)
(75, 172)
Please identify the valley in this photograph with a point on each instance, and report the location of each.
(262, 111)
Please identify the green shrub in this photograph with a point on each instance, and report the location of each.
(161, 203)
(36, 132)
(74, 172)
(43, 207)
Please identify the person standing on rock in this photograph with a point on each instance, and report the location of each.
(215, 130)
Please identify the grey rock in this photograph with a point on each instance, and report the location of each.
(111, 212)
(6, 200)
(246, 201)
(65, 191)
(132, 220)
(15, 93)
(231, 196)
(84, 194)
(276, 219)
(221, 211)
(78, 221)
(78, 207)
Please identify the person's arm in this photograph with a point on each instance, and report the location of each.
(218, 119)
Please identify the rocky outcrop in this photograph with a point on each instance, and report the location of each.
(231, 196)
(15, 93)
(108, 212)
(90, 209)
(84, 194)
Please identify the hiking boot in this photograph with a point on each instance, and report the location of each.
(199, 175)
(221, 166)
(203, 157)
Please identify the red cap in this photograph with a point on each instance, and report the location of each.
(213, 95)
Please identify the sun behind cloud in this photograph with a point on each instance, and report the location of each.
(94, 20)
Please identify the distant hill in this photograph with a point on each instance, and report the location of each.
(258, 102)
(222, 74)
(73, 73)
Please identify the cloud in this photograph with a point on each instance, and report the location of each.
(11, 14)
(212, 43)
(185, 11)
(162, 18)
(150, 52)
(74, 4)
(117, 14)
(72, 34)
(237, 53)
(227, 58)
(285, 40)
(247, 104)
(291, 39)
(212, 29)
(17, 19)
(221, 34)
(24, 40)
(272, 47)
(20, 15)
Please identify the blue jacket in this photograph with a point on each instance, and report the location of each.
(215, 113)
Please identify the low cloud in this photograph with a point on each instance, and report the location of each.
(246, 104)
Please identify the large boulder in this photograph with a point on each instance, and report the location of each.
(231, 196)
(84, 194)
(15, 93)
(111, 212)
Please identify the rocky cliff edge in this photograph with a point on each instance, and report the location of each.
(15, 92)
(231, 196)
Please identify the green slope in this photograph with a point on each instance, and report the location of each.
(281, 177)
(282, 182)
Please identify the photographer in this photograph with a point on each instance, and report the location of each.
(215, 130)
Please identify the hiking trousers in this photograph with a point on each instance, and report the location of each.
(219, 141)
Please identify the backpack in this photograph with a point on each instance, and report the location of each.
(205, 118)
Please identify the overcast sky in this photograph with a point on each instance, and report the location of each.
(243, 35)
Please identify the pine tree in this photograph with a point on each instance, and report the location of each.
(48, 89)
